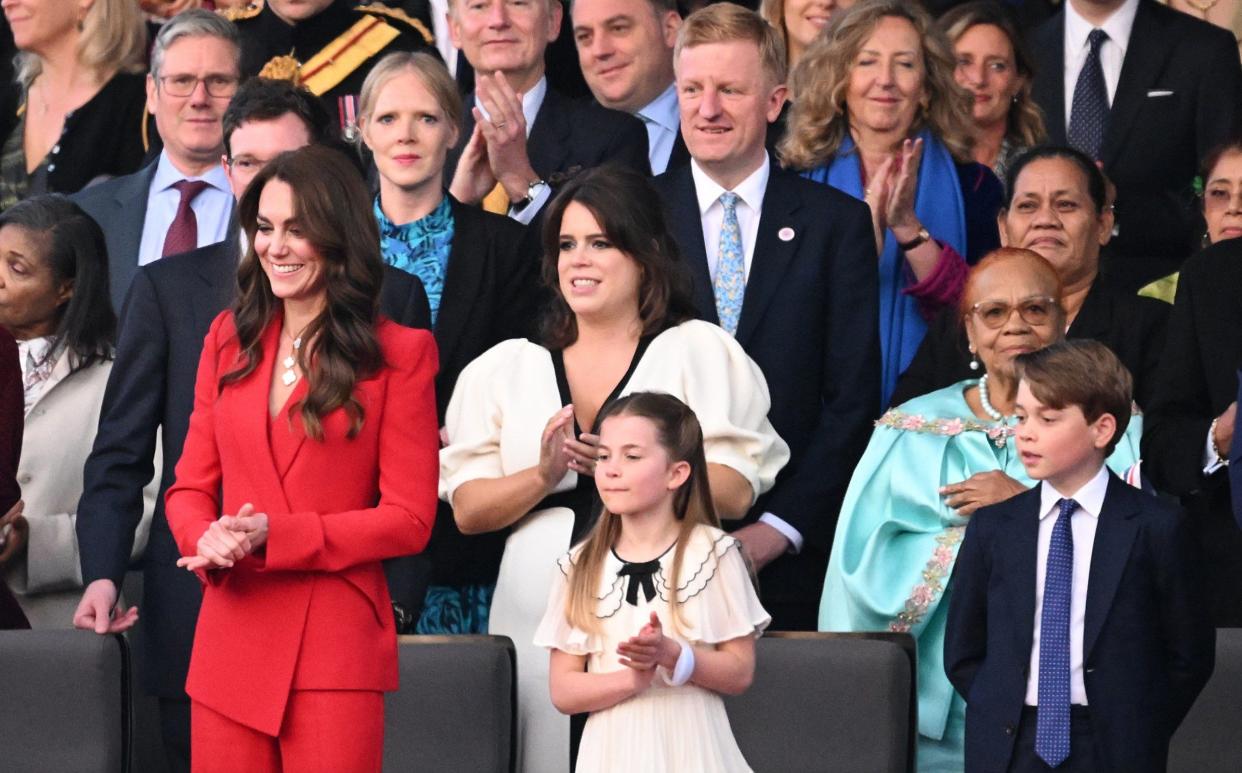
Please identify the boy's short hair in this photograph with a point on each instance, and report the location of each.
(1084, 373)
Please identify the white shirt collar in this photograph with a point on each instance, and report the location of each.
(1090, 497)
(750, 190)
(166, 174)
(1117, 26)
(531, 102)
(663, 110)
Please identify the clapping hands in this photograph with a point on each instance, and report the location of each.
(646, 650)
(891, 191)
(228, 540)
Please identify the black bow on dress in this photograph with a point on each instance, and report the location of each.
(640, 575)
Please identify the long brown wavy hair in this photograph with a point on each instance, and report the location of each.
(681, 436)
(333, 208)
(819, 120)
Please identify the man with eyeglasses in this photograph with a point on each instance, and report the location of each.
(182, 199)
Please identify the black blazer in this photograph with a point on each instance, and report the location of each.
(491, 293)
(1148, 649)
(120, 207)
(1196, 382)
(570, 136)
(1132, 326)
(810, 321)
(1154, 142)
(151, 388)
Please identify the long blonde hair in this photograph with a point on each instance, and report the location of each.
(679, 433)
(113, 38)
(819, 120)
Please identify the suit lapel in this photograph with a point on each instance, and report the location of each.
(548, 143)
(1023, 540)
(251, 396)
(772, 251)
(462, 278)
(1146, 53)
(1093, 318)
(60, 370)
(687, 223)
(218, 272)
(680, 156)
(1049, 90)
(1114, 537)
(130, 203)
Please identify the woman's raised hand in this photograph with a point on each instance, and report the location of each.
(903, 184)
(554, 453)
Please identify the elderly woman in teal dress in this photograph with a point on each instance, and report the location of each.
(930, 464)
(480, 281)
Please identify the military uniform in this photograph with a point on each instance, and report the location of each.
(330, 53)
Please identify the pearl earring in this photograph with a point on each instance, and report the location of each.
(974, 360)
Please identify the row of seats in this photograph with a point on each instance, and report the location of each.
(820, 702)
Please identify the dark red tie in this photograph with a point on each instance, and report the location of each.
(183, 233)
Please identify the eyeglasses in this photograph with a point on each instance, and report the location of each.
(1033, 311)
(219, 86)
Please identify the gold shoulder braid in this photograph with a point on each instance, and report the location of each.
(397, 13)
(335, 61)
(282, 68)
(249, 11)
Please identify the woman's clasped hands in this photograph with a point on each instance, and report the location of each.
(228, 540)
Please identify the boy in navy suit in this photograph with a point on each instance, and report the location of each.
(1075, 632)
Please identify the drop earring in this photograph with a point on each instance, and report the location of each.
(974, 359)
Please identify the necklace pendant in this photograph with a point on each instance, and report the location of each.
(288, 362)
(288, 377)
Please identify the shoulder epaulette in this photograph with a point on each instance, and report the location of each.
(400, 15)
(249, 11)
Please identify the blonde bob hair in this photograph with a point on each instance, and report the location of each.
(726, 23)
(112, 38)
(819, 119)
(431, 71)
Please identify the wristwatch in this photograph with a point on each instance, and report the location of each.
(922, 236)
(532, 190)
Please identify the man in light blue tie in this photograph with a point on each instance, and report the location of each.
(788, 267)
(1076, 633)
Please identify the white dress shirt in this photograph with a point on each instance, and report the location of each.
(662, 117)
(1083, 522)
(440, 29)
(1112, 51)
(749, 206)
(531, 102)
(212, 208)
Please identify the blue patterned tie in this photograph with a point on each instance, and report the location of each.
(1052, 725)
(1089, 111)
(730, 284)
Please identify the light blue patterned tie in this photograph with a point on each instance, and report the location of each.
(730, 284)
(1052, 724)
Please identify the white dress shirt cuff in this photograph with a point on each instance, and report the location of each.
(1211, 460)
(788, 532)
(528, 212)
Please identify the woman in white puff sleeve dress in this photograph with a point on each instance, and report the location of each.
(517, 457)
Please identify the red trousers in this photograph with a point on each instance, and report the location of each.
(333, 731)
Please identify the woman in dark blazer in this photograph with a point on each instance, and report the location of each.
(314, 432)
(479, 271)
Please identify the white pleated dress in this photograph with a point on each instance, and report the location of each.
(662, 729)
(494, 424)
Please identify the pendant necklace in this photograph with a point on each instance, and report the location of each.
(289, 376)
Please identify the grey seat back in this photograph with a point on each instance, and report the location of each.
(829, 702)
(456, 708)
(1210, 738)
(64, 702)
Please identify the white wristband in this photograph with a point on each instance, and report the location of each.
(684, 668)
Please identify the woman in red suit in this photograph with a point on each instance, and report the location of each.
(314, 433)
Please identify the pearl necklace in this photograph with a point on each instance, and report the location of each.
(988, 408)
(289, 376)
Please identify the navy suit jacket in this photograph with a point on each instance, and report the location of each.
(1148, 647)
(120, 207)
(167, 312)
(810, 321)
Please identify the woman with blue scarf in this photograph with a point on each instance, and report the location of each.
(931, 463)
(879, 115)
(481, 280)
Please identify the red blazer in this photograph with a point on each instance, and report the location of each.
(309, 610)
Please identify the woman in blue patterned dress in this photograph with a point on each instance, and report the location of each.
(481, 278)
(931, 463)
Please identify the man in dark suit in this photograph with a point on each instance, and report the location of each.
(167, 312)
(1189, 424)
(626, 51)
(182, 199)
(788, 266)
(522, 137)
(1076, 632)
(1147, 91)
(1058, 208)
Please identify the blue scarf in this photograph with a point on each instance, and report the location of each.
(420, 248)
(938, 204)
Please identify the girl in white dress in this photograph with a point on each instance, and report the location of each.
(648, 655)
(522, 426)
